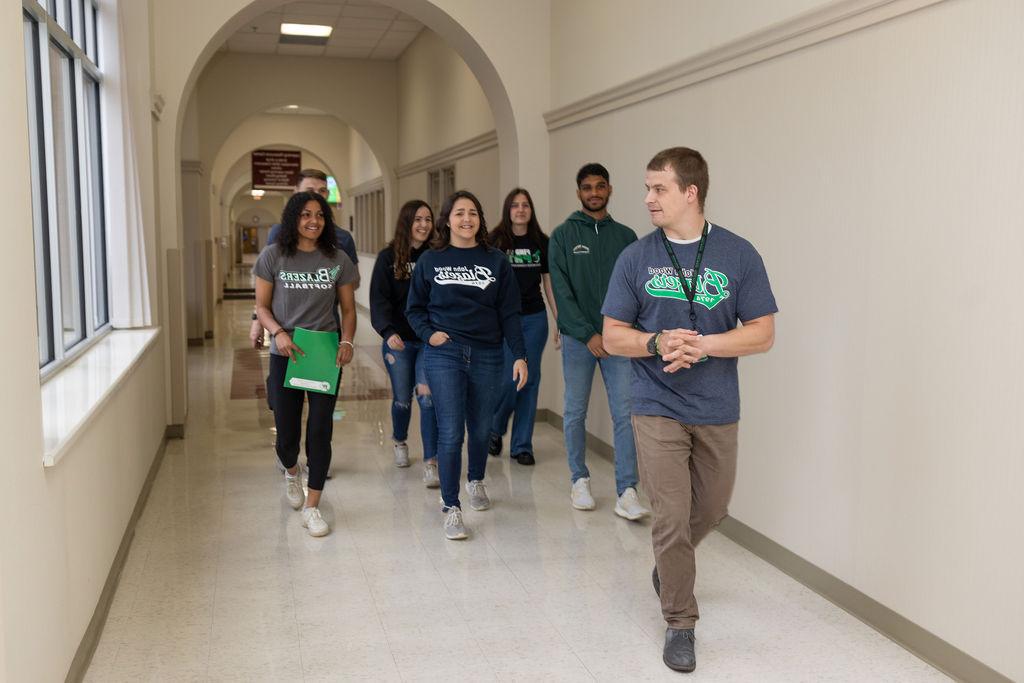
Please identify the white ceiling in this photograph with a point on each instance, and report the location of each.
(363, 29)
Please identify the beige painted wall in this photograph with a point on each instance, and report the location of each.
(362, 162)
(442, 102)
(648, 37)
(61, 526)
(879, 174)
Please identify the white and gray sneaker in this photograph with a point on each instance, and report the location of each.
(430, 478)
(293, 490)
(478, 499)
(580, 494)
(628, 506)
(454, 528)
(401, 454)
(314, 522)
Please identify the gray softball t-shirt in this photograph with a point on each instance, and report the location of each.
(645, 292)
(305, 287)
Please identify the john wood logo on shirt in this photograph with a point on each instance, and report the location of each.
(470, 276)
(711, 287)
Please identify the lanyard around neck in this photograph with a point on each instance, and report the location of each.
(689, 285)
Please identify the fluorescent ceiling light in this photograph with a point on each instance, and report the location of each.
(258, 194)
(314, 30)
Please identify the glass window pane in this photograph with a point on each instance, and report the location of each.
(94, 45)
(44, 301)
(97, 222)
(80, 36)
(68, 232)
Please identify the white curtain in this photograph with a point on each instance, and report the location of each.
(126, 232)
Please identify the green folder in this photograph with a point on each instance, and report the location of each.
(317, 370)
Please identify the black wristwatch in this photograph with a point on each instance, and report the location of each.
(652, 344)
(255, 317)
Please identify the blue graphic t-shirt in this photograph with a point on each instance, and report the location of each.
(645, 292)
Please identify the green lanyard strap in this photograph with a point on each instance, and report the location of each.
(689, 285)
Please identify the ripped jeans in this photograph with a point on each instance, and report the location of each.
(407, 374)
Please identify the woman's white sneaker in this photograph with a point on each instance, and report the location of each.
(314, 522)
(454, 527)
(401, 454)
(430, 478)
(293, 490)
(478, 499)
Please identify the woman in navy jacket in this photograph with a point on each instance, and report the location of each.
(402, 349)
(464, 302)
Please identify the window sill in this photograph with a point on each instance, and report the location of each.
(73, 394)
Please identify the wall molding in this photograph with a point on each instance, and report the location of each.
(192, 166)
(816, 26)
(481, 143)
(371, 185)
(922, 643)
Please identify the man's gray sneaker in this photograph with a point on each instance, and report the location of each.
(454, 528)
(401, 454)
(478, 499)
(679, 652)
(628, 506)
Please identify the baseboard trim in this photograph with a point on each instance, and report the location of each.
(93, 632)
(921, 643)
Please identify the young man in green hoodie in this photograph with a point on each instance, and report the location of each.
(582, 254)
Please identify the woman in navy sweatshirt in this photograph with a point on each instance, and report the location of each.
(464, 302)
(402, 349)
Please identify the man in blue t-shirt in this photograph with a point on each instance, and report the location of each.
(310, 180)
(673, 306)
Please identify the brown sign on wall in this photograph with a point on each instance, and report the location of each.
(274, 169)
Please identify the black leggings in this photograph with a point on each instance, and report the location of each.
(287, 404)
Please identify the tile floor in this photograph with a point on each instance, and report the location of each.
(223, 583)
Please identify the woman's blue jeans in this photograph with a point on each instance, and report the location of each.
(522, 403)
(465, 382)
(406, 370)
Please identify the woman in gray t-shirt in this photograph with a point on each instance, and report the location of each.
(300, 279)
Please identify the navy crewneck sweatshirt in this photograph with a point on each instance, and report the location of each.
(388, 295)
(469, 294)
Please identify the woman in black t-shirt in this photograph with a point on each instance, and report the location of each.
(520, 237)
(402, 349)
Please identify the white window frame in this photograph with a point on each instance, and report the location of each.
(85, 37)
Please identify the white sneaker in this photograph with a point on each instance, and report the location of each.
(430, 478)
(628, 506)
(293, 490)
(478, 499)
(401, 454)
(580, 494)
(312, 520)
(454, 528)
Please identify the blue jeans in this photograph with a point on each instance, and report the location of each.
(523, 402)
(406, 371)
(578, 370)
(465, 382)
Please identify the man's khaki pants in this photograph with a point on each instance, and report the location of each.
(688, 472)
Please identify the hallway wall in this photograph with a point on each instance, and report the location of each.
(442, 107)
(61, 526)
(878, 174)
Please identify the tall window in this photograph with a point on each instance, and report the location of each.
(440, 186)
(69, 217)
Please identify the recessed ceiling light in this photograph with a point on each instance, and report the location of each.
(291, 106)
(258, 194)
(314, 30)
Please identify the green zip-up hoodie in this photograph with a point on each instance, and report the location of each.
(582, 253)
